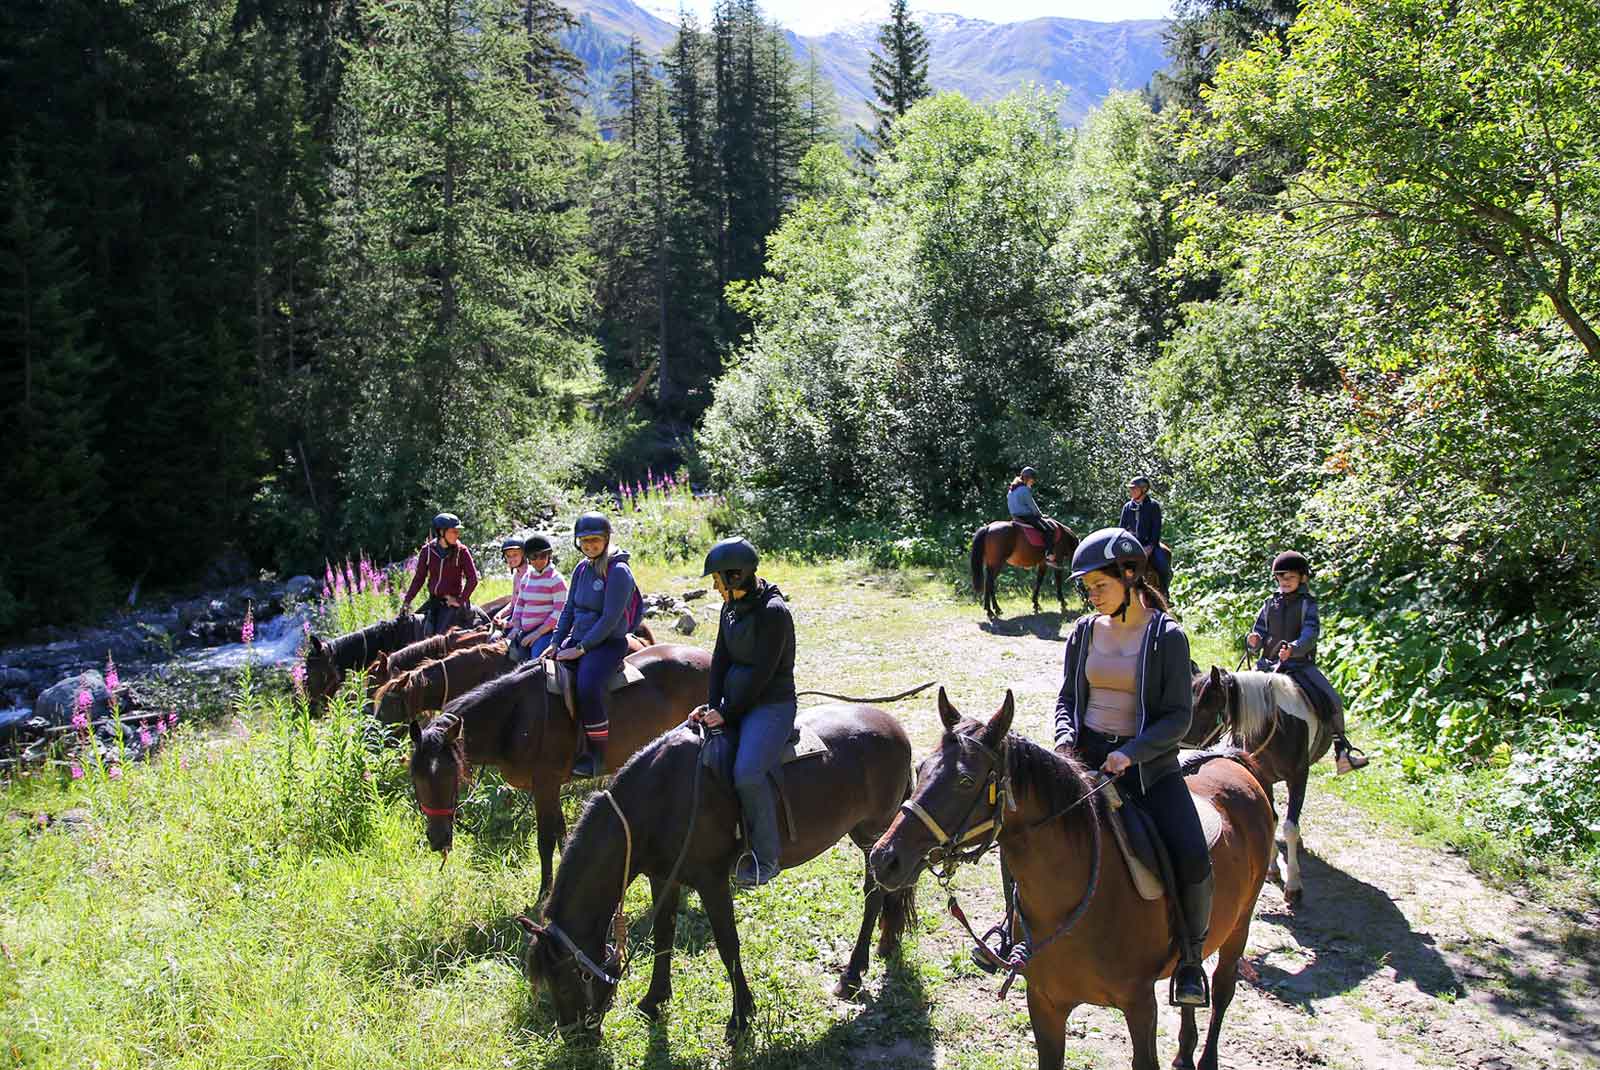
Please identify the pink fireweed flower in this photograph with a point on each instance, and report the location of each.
(247, 633)
(183, 762)
(114, 772)
(145, 738)
(297, 673)
(172, 720)
(113, 681)
(80, 721)
(76, 770)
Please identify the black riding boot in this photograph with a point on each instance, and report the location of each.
(1189, 985)
(592, 762)
(759, 863)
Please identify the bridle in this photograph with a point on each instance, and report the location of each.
(455, 807)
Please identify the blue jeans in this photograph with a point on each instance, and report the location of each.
(763, 734)
(519, 653)
(597, 666)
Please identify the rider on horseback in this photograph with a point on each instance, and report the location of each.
(752, 690)
(1024, 510)
(1125, 703)
(446, 566)
(1141, 514)
(537, 604)
(1286, 633)
(517, 562)
(593, 630)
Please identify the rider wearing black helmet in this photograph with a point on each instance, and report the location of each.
(593, 630)
(536, 608)
(752, 692)
(1125, 703)
(1141, 514)
(1024, 510)
(1286, 633)
(445, 565)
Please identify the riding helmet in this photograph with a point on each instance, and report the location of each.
(590, 524)
(1140, 481)
(1106, 547)
(730, 554)
(536, 544)
(1027, 472)
(446, 521)
(1291, 561)
(510, 542)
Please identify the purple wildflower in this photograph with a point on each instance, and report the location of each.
(305, 626)
(172, 720)
(145, 738)
(80, 721)
(113, 681)
(297, 673)
(85, 702)
(183, 761)
(76, 770)
(114, 772)
(247, 633)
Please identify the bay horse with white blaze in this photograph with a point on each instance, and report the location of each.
(1091, 938)
(513, 724)
(659, 819)
(1008, 542)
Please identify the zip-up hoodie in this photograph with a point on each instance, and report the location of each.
(1019, 501)
(597, 608)
(446, 572)
(753, 663)
(1166, 704)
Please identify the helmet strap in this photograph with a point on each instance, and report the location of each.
(1127, 597)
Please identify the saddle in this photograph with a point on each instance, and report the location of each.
(1141, 844)
(1035, 537)
(562, 679)
(721, 748)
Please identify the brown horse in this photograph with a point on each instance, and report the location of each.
(1252, 710)
(386, 667)
(1003, 543)
(328, 660)
(1093, 938)
(434, 683)
(659, 819)
(512, 724)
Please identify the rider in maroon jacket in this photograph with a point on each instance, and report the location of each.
(446, 566)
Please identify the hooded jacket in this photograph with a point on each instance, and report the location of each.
(753, 663)
(597, 607)
(446, 572)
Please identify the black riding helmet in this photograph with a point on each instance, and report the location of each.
(1140, 481)
(1291, 561)
(510, 542)
(1027, 473)
(590, 524)
(445, 521)
(536, 544)
(735, 554)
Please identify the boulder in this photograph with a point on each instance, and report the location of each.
(13, 677)
(698, 592)
(59, 702)
(229, 566)
(686, 623)
(300, 586)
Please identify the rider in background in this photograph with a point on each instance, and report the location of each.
(445, 565)
(1141, 514)
(1024, 510)
(593, 630)
(1286, 633)
(536, 608)
(517, 563)
(1125, 703)
(752, 691)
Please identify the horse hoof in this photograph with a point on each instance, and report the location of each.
(1294, 896)
(848, 987)
(650, 1008)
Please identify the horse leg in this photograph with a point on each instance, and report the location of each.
(872, 895)
(1038, 579)
(665, 897)
(1274, 872)
(1188, 1035)
(1141, 1018)
(1061, 594)
(1223, 981)
(717, 898)
(1049, 1021)
(990, 574)
(552, 828)
(1293, 889)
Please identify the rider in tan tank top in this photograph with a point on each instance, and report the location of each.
(1112, 673)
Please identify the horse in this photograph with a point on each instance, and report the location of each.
(410, 694)
(1268, 715)
(327, 660)
(387, 666)
(1092, 938)
(641, 825)
(513, 724)
(1005, 542)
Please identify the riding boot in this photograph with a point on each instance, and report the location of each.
(592, 762)
(1189, 985)
(1347, 759)
(759, 863)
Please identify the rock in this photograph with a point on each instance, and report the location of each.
(60, 701)
(300, 586)
(698, 592)
(686, 624)
(230, 566)
(11, 677)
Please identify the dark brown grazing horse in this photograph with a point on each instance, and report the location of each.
(1003, 543)
(431, 685)
(512, 724)
(649, 820)
(327, 660)
(1094, 939)
(1248, 708)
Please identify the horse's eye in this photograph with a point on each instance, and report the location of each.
(965, 782)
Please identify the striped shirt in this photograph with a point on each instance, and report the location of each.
(538, 600)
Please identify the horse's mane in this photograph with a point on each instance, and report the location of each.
(1058, 782)
(368, 637)
(1261, 696)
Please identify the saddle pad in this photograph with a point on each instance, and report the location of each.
(1145, 879)
(807, 745)
(624, 677)
(1032, 534)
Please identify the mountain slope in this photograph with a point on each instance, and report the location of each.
(983, 60)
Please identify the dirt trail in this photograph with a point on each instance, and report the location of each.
(1399, 955)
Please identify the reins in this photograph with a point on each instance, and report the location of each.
(867, 701)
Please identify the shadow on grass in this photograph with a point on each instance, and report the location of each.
(1038, 625)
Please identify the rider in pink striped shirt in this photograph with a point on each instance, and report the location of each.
(537, 605)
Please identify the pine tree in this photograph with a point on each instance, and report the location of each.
(819, 103)
(899, 72)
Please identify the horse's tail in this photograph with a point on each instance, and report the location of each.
(642, 630)
(977, 560)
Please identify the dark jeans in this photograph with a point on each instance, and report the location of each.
(439, 616)
(597, 666)
(1167, 802)
(763, 733)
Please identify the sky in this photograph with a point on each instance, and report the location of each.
(816, 16)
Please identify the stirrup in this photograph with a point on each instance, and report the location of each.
(982, 961)
(587, 766)
(1199, 998)
(751, 872)
(1349, 760)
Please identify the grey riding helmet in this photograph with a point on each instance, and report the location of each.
(445, 521)
(590, 524)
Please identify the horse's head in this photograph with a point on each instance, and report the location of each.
(581, 988)
(389, 704)
(959, 787)
(323, 676)
(439, 775)
(1210, 691)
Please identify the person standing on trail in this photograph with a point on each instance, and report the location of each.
(517, 563)
(1286, 633)
(1024, 510)
(445, 565)
(1141, 514)
(1125, 704)
(751, 692)
(536, 607)
(593, 631)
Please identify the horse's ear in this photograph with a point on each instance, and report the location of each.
(1216, 676)
(416, 733)
(316, 644)
(529, 926)
(948, 713)
(452, 730)
(1000, 723)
